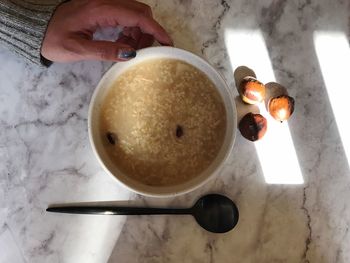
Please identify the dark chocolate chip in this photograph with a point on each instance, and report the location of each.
(111, 137)
(179, 131)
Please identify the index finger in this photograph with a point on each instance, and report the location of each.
(150, 26)
(132, 18)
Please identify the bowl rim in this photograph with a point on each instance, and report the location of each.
(191, 187)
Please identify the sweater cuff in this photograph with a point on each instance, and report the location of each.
(23, 26)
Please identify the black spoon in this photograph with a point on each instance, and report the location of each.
(215, 213)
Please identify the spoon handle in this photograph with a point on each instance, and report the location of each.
(117, 210)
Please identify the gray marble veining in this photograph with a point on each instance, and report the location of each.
(46, 157)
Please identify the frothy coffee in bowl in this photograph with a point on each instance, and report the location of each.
(162, 122)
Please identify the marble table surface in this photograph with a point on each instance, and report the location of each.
(292, 188)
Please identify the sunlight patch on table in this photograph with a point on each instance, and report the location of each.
(333, 53)
(275, 150)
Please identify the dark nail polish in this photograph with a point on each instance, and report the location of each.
(126, 53)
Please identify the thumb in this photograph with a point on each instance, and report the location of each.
(105, 50)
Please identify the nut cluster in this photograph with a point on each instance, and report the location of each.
(253, 126)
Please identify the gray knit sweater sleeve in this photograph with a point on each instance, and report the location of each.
(23, 24)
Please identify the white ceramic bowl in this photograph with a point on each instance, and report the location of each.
(106, 83)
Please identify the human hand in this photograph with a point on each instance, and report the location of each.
(69, 36)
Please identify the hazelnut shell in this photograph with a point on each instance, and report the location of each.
(281, 107)
(253, 126)
(252, 91)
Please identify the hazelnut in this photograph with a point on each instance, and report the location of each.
(252, 91)
(281, 107)
(253, 126)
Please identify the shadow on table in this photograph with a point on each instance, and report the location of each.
(269, 230)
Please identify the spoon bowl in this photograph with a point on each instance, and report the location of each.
(216, 213)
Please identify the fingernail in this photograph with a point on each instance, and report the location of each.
(126, 53)
(167, 44)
